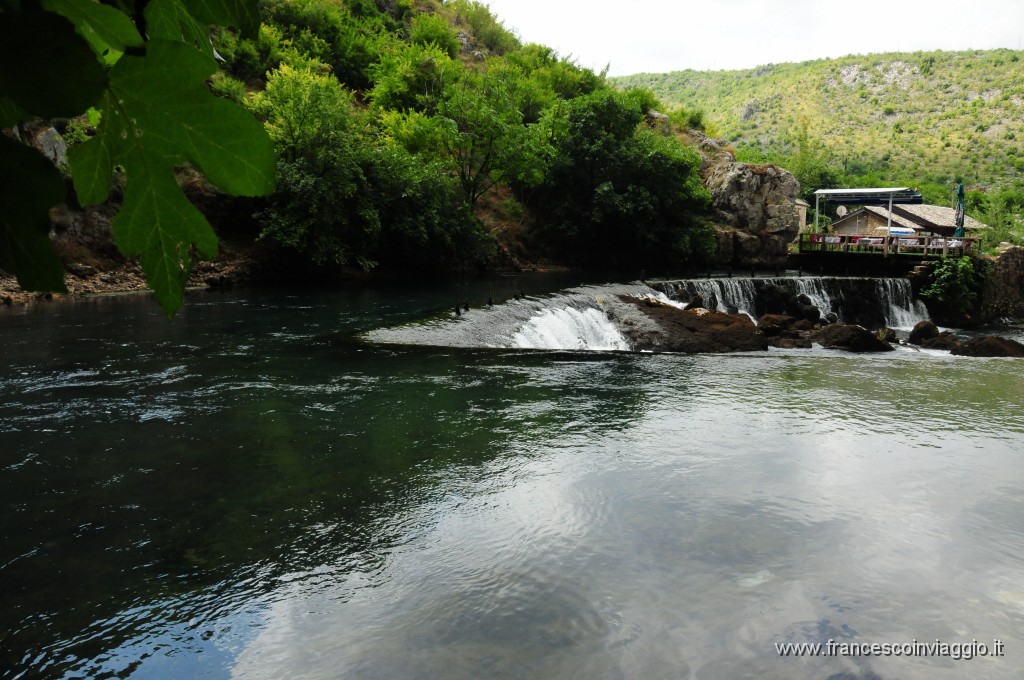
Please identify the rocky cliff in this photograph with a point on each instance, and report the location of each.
(754, 207)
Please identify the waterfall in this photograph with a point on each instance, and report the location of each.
(570, 328)
(573, 319)
(585, 318)
(902, 311)
(899, 309)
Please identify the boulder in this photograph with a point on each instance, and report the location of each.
(944, 340)
(49, 142)
(700, 330)
(886, 334)
(924, 330)
(850, 338)
(774, 324)
(989, 346)
(754, 206)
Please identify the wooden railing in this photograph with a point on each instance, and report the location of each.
(919, 246)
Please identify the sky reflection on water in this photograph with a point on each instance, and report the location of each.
(316, 509)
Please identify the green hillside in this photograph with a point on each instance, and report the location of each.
(920, 119)
(931, 115)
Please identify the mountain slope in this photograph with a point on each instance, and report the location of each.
(926, 116)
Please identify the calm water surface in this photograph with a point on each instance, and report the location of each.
(245, 492)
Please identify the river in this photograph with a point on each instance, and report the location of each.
(248, 492)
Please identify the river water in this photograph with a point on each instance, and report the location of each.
(248, 492)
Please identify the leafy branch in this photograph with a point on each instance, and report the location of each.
(156, 114)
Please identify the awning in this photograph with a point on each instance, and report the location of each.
(887, 196)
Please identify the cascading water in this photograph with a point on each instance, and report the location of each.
(570, 328)
(899, 309)
(582, 318)
(902, 311)
(571, 320)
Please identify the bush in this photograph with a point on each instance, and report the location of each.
(485, 27)
(345, 199)
(954, 284)
(433, 29)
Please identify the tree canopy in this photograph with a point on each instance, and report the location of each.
(374, 131)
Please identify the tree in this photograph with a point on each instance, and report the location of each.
(617, 194)
(69, 56)
(483, 138)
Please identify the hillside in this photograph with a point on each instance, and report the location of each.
(920, 118)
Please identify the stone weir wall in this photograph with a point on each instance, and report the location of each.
(1003, 295)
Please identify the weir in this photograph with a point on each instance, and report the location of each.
(582, 318)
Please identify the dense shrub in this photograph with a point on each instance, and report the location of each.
(615, 194)
(345, 198)
(433, 29)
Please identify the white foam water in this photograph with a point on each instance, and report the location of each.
(570, 328)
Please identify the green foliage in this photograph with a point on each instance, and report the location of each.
(433, 29)
(954, 111)
(482, 136)
(411, 77)
(614, 194)
(347, 37)
(344, 198)
(954, 283)
(810, 164)
(156, 114)
(484, 26)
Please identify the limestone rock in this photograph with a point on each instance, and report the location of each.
(51, 144)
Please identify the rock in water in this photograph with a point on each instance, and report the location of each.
(851, 339)
(989, 346)
(700, 330)
(924, 330)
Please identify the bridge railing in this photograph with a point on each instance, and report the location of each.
(864, 244)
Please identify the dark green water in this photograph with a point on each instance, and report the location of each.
(245, 492)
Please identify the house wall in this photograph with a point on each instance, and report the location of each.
(857, 223)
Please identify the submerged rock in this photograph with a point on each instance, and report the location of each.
(989, 346)
(851, 339)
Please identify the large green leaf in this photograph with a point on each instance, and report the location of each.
(48, 69)
(158, 223)
(169, 20)
(159, 114)
(10, 114)
(29, 186)
(105, 28)
(242, 14)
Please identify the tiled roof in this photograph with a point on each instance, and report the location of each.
(897, 220)
(924, 215)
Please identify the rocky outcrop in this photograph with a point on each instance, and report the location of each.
(754, 208)
(989, 346)
(1003, 295)
(694, 330)
(851, 339)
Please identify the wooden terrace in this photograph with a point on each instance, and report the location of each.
(916, 246)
